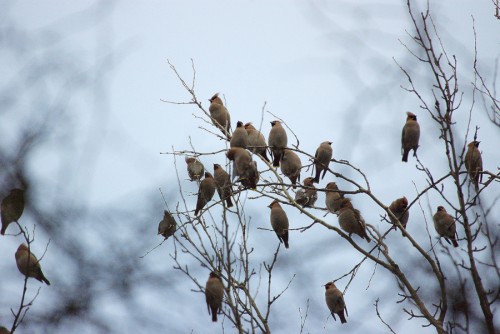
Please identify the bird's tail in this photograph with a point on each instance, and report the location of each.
(342, 317)
(405, 155)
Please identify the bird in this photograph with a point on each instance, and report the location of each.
(290, 166)
(410, 136)
(220, 115)
(223, 183)
(333, 198)
(239, 137)
(244, 167)
(205, 193)
(28, 264)
(351, 221)
(277, 141)
(256, 141)
(12, 208)
(335, 302)
(214, 292)
(279, 222)
(474, 163)
(167, 225)
(307, 197)
(322, 159)
(445, 225)
(195, 168)
(4, 330)
(399, 209)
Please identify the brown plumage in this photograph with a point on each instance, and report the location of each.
(195, 168)
(410, 136)
(12, 208)
(214, 293)
(333, 198)
(4, 330)
(277, 142)
(322, 159)
(223, 183)
(474, 163)
(445, 226)
(351, 221)
(256, 141)
(220, 115)
(205, 193)
(290, 166)
(335, 302)
(307, 197)
(398, 208)
(279, 222)
(28, 264)
(239, 137)
(244, 167)
(167, 226)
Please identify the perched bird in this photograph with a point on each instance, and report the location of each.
(28, 264)
(244, 167)
(322, 159)
(307, 197)
(195, 168)
(205, 193)
(279, 222)
(277, 142)
(239, 137)
(256, 141)
(291, 165)
(223, 183)
(445, 225)
(220, 115)
(4, 330)
(214, 292)
(474, 163)
(335, 302)
(351, 221)
(410, 136)
(333, 198)
(398, 208)
(167, 226)
(12, 208)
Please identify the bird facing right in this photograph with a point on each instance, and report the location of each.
(335, 302)
(333, 198)
(167, 225)
(290, 166)
(307, 197)
(398, 208)
(195, 168)
(256, 141)
(214, 293)
(279, 222)
(322, 159)
(474, 163)
(239, 137)
(445, 225)
(28, 264)
(205, 193)
(410, 136)
(224, 186)
(12, 208)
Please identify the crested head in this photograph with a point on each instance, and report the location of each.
(473, 144)
(190, 159)
(213, 274)
(239, 124)
(345, 203)
(441, 209)
(411, 116)
(332, 185)
(327, 143)
(329, 285)
(274, 203)
(22, 247)
(207, 174)
(273, 123)
(404, 201)
(250, 126)
(216, 96)
(216, 166)
(308, 181)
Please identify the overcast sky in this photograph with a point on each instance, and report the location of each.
(326, 67)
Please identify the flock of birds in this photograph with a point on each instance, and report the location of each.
(246, 139)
